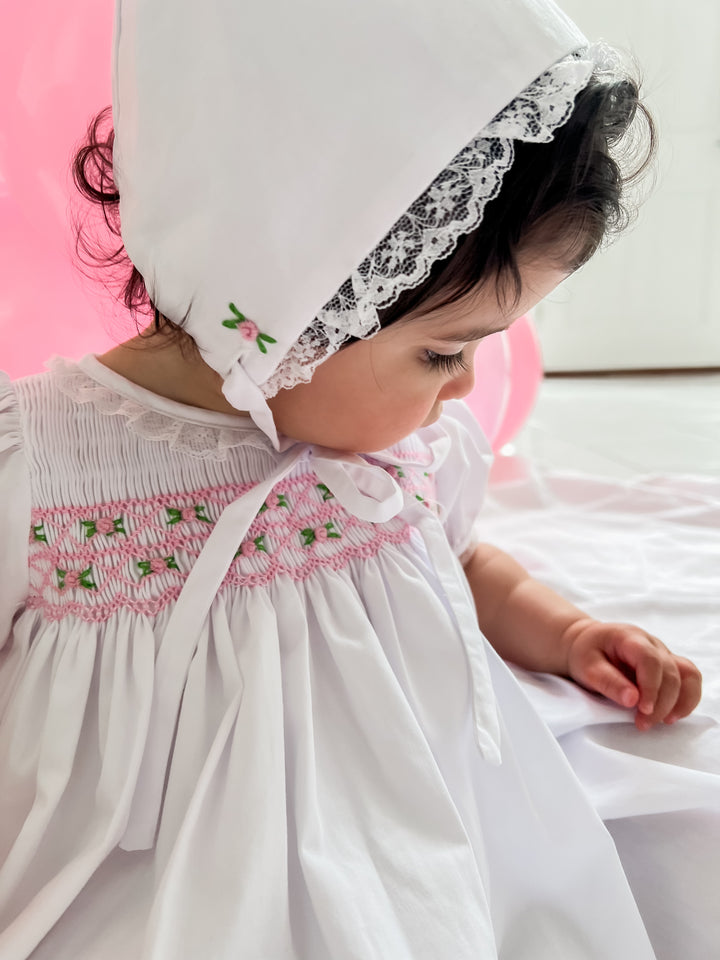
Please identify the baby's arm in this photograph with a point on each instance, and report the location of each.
(532, 626)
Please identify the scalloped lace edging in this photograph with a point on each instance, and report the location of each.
(200, 440)
(452, 206)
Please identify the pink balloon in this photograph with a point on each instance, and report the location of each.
(489, 398)
(54, 76)
(508, 372)
(525, 377)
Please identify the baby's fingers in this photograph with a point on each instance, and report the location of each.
(602, 677)
(690, 690)
(665, 700)
(647, 662)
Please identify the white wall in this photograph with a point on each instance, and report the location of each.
(653, 299)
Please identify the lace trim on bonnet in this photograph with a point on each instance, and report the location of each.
(205, 441)
(453, 205)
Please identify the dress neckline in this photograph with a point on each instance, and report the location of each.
(96, 370)
(188, 430)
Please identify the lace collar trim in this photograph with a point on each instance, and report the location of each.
(204, 434)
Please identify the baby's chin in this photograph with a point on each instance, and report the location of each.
(433, 416)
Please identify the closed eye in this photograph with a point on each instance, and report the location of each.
(446, 362)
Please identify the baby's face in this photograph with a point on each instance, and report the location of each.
(375, 392)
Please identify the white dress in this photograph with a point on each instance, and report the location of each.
(310, 753)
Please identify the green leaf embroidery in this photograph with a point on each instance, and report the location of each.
(91, 528)
(259, 545)
(85, 578)
(310, 536)
(146, 565)
(325, 491)
(252, 332)
(39, 533)
(174, 515)
(282, 502)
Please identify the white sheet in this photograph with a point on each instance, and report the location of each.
(646, 551)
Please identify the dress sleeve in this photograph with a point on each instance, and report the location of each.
(461, 481)
(14, 510)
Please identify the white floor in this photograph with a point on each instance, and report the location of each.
(620, 426)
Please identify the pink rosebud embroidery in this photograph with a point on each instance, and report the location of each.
(319, 534)
(248, 548)
(272, 501)
(248, 330)
(105, 525)
(72, 578)
(157, 565)
(188, 513)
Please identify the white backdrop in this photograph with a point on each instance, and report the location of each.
(653, 300)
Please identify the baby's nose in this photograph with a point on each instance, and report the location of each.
(460, 385)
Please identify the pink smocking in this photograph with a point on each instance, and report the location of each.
(273, 546)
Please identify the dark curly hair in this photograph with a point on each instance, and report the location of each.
(561, 199)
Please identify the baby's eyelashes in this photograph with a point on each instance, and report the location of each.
(446, 362)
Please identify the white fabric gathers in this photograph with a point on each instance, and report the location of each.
(340, 779)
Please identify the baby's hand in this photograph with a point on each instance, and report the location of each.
(634, 669)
